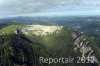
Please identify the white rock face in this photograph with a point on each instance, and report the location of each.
(41, 29)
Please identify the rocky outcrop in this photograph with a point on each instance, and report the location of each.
(40, 30)
(82, 45)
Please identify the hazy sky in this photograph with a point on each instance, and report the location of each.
(49, 7)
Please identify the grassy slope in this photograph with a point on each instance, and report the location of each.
(9, 29)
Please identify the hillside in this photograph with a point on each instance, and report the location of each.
(24, 44)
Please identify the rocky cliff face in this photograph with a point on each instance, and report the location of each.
(82, 45)
(40, 29)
